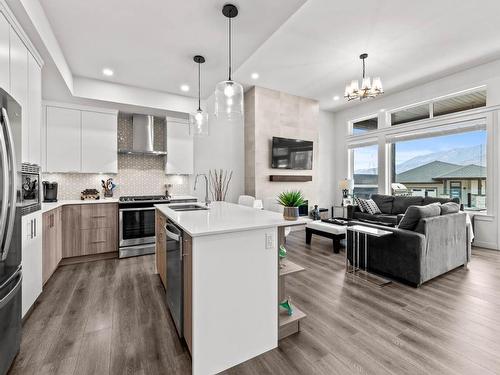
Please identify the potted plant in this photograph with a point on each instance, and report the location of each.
(291, 200)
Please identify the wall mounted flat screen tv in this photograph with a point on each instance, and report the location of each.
(291, 153)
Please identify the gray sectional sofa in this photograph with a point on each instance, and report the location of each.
(393, 208)
(434, 243)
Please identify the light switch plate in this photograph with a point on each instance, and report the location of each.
(269, 241)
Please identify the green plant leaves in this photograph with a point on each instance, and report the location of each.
(293, 198)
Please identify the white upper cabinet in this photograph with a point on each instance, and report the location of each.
(19, 84)
(35, 111)
(80, 140)
(180, 148)
(99, 142)
(4, 54)
(63, 140)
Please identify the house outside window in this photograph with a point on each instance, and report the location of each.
(448, 166)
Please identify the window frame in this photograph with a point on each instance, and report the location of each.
(350, 124)
(430, 103)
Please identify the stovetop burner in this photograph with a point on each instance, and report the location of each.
(142, 198)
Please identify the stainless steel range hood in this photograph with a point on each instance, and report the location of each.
(143, 137)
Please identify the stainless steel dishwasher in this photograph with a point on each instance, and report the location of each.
(175, 296)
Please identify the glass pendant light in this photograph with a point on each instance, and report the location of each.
(198, 120)
(229, 94)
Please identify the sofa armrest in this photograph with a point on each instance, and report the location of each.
(351, 209)
(398, 255)
(446, 244)
(401, 232)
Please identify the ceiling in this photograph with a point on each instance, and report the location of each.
(308, 48)
(316, 52)
(151, 44)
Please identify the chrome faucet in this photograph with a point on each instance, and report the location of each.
(207, 201)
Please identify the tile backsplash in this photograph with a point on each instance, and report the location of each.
(137, 174)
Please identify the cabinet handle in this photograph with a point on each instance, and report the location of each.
(31, 222)
(98, 241)
(98, 217)
(34, 226)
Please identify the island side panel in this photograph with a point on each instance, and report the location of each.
(234, 294)
(187, 246)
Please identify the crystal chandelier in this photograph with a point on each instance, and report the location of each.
(368, 88)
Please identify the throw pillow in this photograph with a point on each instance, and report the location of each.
(450, 208)
(360, 205)
(371, 207)
(413, 215)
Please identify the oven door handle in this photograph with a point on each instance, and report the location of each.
(137, 209)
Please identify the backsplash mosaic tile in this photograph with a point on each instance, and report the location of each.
(137, 174)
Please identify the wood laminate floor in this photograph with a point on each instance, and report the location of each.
(109, 317)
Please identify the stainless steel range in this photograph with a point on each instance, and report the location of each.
(137, 223)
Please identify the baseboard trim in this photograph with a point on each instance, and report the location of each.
(88, 258)
(486, 245)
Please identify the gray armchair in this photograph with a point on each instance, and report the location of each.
(437, 245)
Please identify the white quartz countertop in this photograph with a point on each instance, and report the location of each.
(223, 217)
(52, 205)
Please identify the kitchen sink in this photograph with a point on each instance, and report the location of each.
(187, 207)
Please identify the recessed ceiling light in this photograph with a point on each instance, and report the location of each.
(255, 75)
(107, 72)
(382, 110)
(336, 97)
(185, 88)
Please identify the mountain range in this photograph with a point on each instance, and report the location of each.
(462, 156)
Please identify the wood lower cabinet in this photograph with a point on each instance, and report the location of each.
(161, 247)
(71, 231)
(89, 229)
(51, 243)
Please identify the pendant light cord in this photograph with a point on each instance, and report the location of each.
(230, 52)
(199, 87)
(363, 68)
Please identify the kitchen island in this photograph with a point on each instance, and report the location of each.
(230, 281)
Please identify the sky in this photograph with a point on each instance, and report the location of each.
(410, 149)
(367, 157)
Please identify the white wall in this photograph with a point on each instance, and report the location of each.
(223, 148)
(487, 74)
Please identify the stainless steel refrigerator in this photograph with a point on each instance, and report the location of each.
(10, 230)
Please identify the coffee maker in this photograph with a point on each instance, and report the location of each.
(49, 191)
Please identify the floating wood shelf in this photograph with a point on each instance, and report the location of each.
(289, 178)
(287, 319)
(289, 324)
(289, 267)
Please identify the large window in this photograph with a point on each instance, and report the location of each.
(365, 170)
(448, 166)
(439, 107)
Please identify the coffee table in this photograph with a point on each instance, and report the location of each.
(333, 231)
